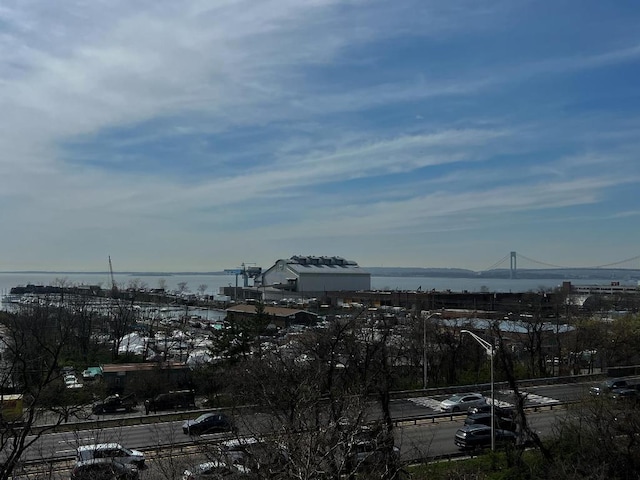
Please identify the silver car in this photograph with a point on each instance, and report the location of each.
(461, 402)
(114, 451)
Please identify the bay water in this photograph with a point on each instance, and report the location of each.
(211, 283)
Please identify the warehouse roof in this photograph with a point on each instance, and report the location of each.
(332, 265)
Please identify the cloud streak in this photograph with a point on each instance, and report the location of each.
(283, 121)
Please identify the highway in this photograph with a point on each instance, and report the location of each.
(417, 441)
(422, 430)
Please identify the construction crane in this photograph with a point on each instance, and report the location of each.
(114, 287)
(246, 272)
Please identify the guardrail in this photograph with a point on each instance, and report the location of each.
(532, 382)
(450, 416)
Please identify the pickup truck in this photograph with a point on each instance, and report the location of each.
(115, 403)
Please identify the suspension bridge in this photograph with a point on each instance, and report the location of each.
(515, 258)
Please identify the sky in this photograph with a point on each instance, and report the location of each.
(200, 135)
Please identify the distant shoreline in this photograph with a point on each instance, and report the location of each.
(414, 272)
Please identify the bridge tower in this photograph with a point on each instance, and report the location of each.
(512, 267)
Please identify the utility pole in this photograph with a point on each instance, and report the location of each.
(490, 349)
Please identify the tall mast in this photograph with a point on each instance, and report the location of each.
(114, 287)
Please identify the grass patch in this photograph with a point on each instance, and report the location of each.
(488, 465)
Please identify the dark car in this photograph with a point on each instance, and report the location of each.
(504, 423)
(208, 423)
(506, 412)
(104, 469)
(608, 386)
(365, 454)
(171, 401)
(115, 403)
(479, 436)
(630, 395)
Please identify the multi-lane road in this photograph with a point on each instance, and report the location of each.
(423, 433)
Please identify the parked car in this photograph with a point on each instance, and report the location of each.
(92, 373)
(171, 401)
(113, 451)
(463, 401)
(479, 436)
(70, 381)
(115, 403)
(104, 469)
(67, 370)
(607, 386)
(208, 423)
(215, 469)
(505, 423)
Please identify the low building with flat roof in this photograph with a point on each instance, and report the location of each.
(311, 276)
(145, 378)
(281, 317)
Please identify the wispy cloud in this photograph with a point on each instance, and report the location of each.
(199, 123)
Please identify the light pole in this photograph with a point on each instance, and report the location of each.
(490, 349)
(424, 348)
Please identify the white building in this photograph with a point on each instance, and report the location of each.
(311, 276)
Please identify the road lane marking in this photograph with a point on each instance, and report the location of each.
(539, 399)
(426, 402)
(65, 451)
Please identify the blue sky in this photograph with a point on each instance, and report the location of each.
(197, 135)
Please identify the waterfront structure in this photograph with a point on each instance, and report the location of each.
(613, 288)
(311, 276)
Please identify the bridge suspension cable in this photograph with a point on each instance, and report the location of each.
(617, 263)
(564, 266)
(497, 264)
(540, 263)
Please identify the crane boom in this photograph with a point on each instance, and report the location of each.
(114, 288)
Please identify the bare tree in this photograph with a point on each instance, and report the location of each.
(136, 285)
(597, 439)
(162, 284)
(505, 360)
(121, 319)
(315, 393)
(182, 287)
(33, 342)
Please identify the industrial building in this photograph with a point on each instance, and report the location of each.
(309, 276)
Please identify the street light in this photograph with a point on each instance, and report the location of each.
(424, 348)
(490, 349)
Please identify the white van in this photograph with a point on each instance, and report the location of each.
(110, 450)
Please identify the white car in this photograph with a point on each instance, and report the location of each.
(461, 402)
(110, 450)
(71, 381)
(215, 469)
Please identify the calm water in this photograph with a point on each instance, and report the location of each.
(214, 282)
